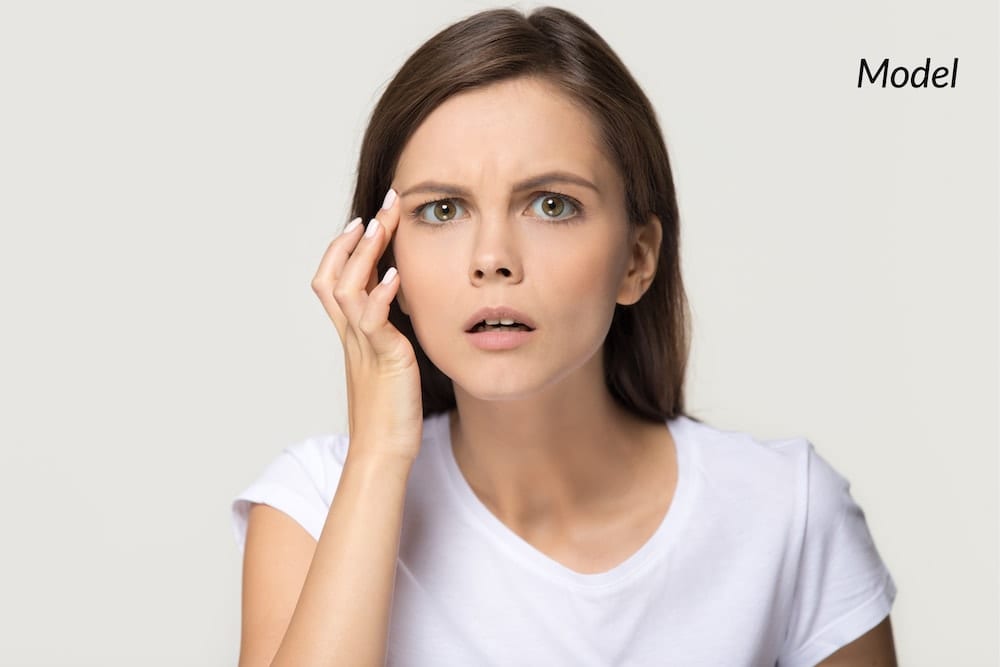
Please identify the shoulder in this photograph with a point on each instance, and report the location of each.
(734, 450)
(320, 454)
(318, 458)
(785, 478)
(745, 462)
(300, 480)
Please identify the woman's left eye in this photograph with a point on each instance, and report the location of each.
(553, 207)
(553, 203)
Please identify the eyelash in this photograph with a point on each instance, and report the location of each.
(415, 213)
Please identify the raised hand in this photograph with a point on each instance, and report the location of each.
(383, 379)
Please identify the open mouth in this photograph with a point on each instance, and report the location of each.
(483, 326)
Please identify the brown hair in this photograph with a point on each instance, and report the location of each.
(646, 350)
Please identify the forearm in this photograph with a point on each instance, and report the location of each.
(342, 615)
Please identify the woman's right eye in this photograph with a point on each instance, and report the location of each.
(443, 211)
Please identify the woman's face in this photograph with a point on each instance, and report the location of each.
(560, 260)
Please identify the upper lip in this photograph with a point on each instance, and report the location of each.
(498, 313)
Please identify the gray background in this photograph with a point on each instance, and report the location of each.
(170, 174)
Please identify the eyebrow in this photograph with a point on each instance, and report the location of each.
(527, 184)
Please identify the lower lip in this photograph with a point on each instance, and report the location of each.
(499, 340)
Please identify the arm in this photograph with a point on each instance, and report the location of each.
(331, 607)
(844, 591)
(875, 648)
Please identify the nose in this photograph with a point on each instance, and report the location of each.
(494, 257)
(484, 274)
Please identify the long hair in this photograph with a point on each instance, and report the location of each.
(647, 346)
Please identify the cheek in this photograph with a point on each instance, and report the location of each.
(420, 262)
(424, 271)
(587, 273)
(580, 297)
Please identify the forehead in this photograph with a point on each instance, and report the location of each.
(504, 129)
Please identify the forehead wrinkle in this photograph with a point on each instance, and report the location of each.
(473, 121)
(532, 182)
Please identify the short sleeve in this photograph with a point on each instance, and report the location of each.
(843, 588)
(300, 482)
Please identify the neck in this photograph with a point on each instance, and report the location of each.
(562, 454)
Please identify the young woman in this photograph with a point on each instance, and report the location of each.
(520, 483)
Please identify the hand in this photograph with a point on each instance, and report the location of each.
(384, 402)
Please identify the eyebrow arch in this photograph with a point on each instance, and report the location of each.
(526, 184)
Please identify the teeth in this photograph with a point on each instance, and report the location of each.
(496, 325)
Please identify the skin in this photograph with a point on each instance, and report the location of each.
(875, 648)
(536, 433)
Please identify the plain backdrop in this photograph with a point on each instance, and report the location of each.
(171, 172)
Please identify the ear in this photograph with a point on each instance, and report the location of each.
(644, 255)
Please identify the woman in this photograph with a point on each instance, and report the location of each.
(521, 484)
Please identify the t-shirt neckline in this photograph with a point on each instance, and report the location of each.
(655, 547)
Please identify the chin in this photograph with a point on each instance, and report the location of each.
(482, 388)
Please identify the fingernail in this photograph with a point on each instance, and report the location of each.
(370, 229)
(390, 197)
(387, 278)
(352, 225)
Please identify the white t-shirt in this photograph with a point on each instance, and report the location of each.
(763, 558)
